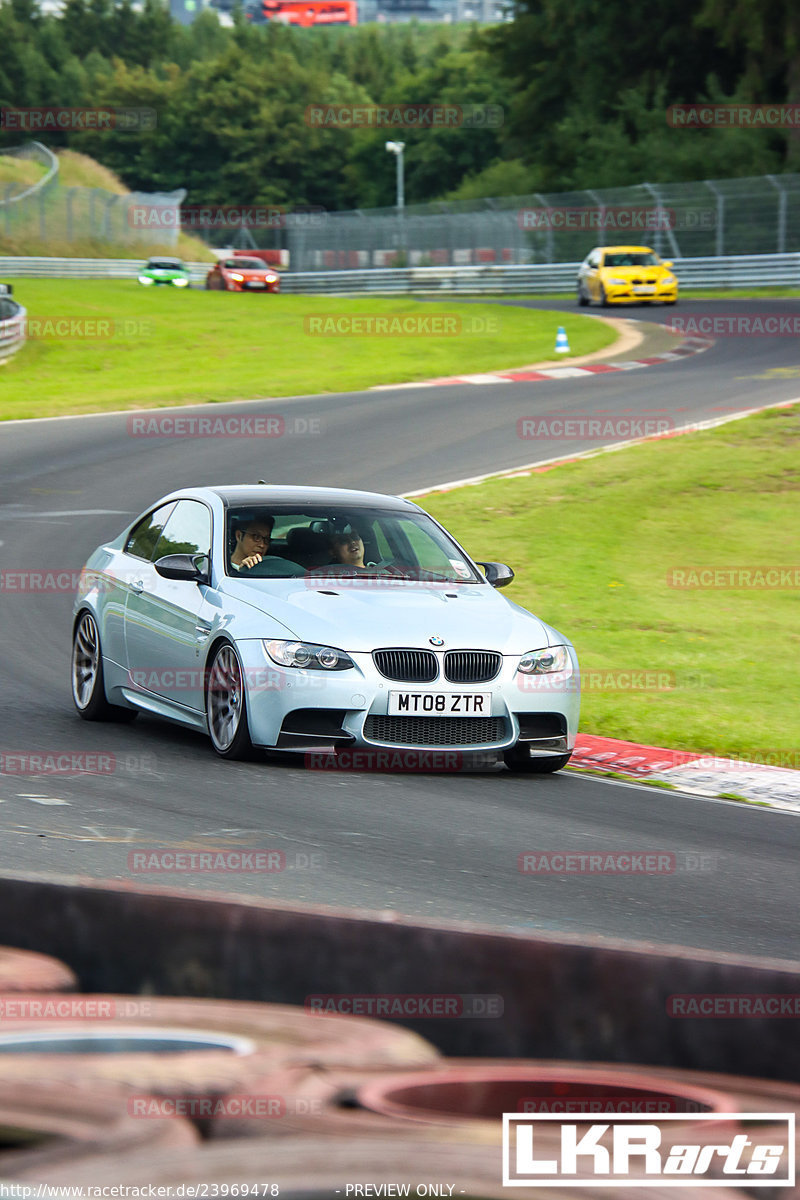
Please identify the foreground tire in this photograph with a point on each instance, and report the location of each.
(604, 300)
(226, 705)
(519, 760)
(88, 686)
(583, 299)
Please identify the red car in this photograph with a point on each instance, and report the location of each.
(243, 275)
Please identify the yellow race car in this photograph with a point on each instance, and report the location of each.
(625, 275)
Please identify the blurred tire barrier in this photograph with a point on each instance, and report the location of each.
(55, 1126)
(470, 1095)
(465, 1099)
(316, 1167)
(185, 1051)
(26, 971)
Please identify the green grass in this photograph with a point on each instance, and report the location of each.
(592, 543)
(184, 347)
(21, 172)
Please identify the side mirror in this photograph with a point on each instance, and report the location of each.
(667, 262)
(184, 566)
(497, 574)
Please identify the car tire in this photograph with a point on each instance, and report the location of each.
(518, 759)
(583, 299)
(88, 684)
(604, 300)
(670, 302)
(226, 705)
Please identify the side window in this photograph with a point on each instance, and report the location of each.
(143, 537)
(188, 530)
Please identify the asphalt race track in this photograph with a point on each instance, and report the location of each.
(440, 846)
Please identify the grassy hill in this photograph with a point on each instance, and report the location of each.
(75, 170)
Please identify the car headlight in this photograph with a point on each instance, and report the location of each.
(618, 282)
(545, 662)
(237, 277)
(180, 282)
(271, 278)
(669, 280)
(308, 656)
(145, 279)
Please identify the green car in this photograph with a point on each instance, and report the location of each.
(164, 270)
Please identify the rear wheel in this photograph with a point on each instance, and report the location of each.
(88, 686)
(226, 705)
(519, 760)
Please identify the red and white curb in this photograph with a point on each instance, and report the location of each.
(687, 347)
(706, 775)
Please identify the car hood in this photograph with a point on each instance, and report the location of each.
(365, 615)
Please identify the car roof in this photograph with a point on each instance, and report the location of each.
(266, 494)
(625, 249)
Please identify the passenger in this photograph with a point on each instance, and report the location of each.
(348, 549)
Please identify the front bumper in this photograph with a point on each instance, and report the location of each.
(628, 295)
(292, 709)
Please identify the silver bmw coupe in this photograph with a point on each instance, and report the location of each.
(317, 619)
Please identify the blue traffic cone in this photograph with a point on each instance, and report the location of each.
(562, 345)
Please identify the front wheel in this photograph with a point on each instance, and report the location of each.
(226, 705)
(520, 760)
(583, 299)
(88, 686)
(604, 300)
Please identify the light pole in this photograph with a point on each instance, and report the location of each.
(397, 149)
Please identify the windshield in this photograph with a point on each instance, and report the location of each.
(165, 264)
(246, 264)
(359, 543)
(628, 259)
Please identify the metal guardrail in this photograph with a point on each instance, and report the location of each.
(12, 333)
(751, 270)
(37, 152)
(85, 268)
(755, 270)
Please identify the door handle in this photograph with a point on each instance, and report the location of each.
(138, 586)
